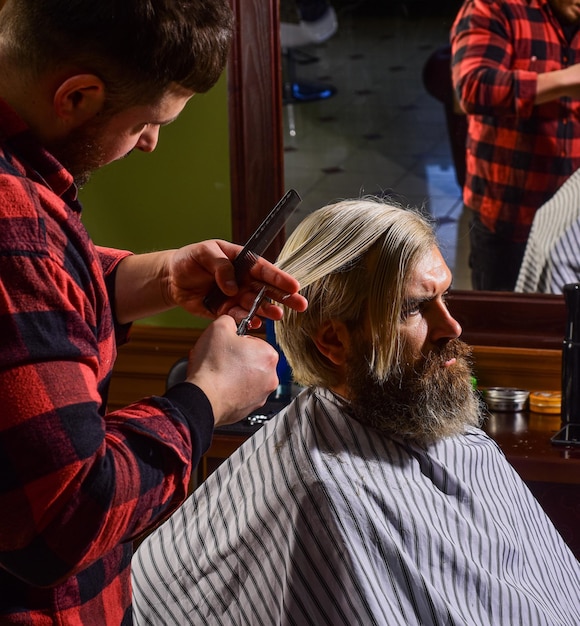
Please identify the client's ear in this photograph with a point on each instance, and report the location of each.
(78, 99)
(333, 341)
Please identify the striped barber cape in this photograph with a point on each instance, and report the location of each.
(552, 256)
(320, 520)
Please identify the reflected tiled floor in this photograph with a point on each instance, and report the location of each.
(381, 133)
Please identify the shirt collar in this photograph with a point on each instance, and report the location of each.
(37, 161)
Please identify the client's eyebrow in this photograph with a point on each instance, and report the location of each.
(411, 303)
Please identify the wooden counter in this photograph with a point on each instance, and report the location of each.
(525, 440)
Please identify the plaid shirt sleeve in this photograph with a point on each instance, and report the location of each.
(490, 78)
(110, 259)
(518, 153)
(76, 482)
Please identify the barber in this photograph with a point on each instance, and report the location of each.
(516, 74)
(83, 84)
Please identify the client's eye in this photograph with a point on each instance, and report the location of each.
(410, 308)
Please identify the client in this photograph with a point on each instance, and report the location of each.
(374, 497)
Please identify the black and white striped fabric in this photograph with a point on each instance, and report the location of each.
(319, 520)
(552, 256)
(565, 258)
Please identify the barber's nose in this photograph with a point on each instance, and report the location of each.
(444, 325)
(148, 139)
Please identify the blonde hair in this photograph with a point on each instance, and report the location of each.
(352, 259)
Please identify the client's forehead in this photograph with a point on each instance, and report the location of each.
(429, 277)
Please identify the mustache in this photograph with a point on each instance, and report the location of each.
(452, 349)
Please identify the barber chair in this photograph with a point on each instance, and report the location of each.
(177, 373)
(317, 24)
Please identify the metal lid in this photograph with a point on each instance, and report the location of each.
(506, 393)
(505, 398)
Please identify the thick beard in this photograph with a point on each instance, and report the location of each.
(423, 403)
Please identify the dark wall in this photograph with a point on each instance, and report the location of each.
(406, 8)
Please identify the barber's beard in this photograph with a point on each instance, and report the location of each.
(423, 402)
(80, 152)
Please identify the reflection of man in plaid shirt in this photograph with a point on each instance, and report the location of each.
(515, 74)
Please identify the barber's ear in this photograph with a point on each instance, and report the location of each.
(333, 341)
(78, 99)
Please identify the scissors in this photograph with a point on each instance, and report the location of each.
(255, 247)
(244, 325)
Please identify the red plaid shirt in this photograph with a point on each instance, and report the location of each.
(77, 484)
(518, 154)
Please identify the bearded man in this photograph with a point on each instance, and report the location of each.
(374, 497)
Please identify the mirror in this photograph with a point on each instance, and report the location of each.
(359, 118)
(257, 166)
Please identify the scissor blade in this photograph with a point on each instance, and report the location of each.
(245, 323)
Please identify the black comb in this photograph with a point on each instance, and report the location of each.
(256, 245)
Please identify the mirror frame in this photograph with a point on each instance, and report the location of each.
(511, 320)
(257, 179)
(255, 117)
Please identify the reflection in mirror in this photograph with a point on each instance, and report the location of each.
(380, 132)
(491, 319)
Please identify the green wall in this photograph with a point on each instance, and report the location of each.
(177, 195)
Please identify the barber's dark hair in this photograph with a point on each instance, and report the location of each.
(137, 47)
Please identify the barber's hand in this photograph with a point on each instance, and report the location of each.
(237, 374)
(192, 271)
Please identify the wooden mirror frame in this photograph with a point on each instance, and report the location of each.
(255, 116)
(257, 175)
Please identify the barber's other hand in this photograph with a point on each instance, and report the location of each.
(193, 270)
(236, 373)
